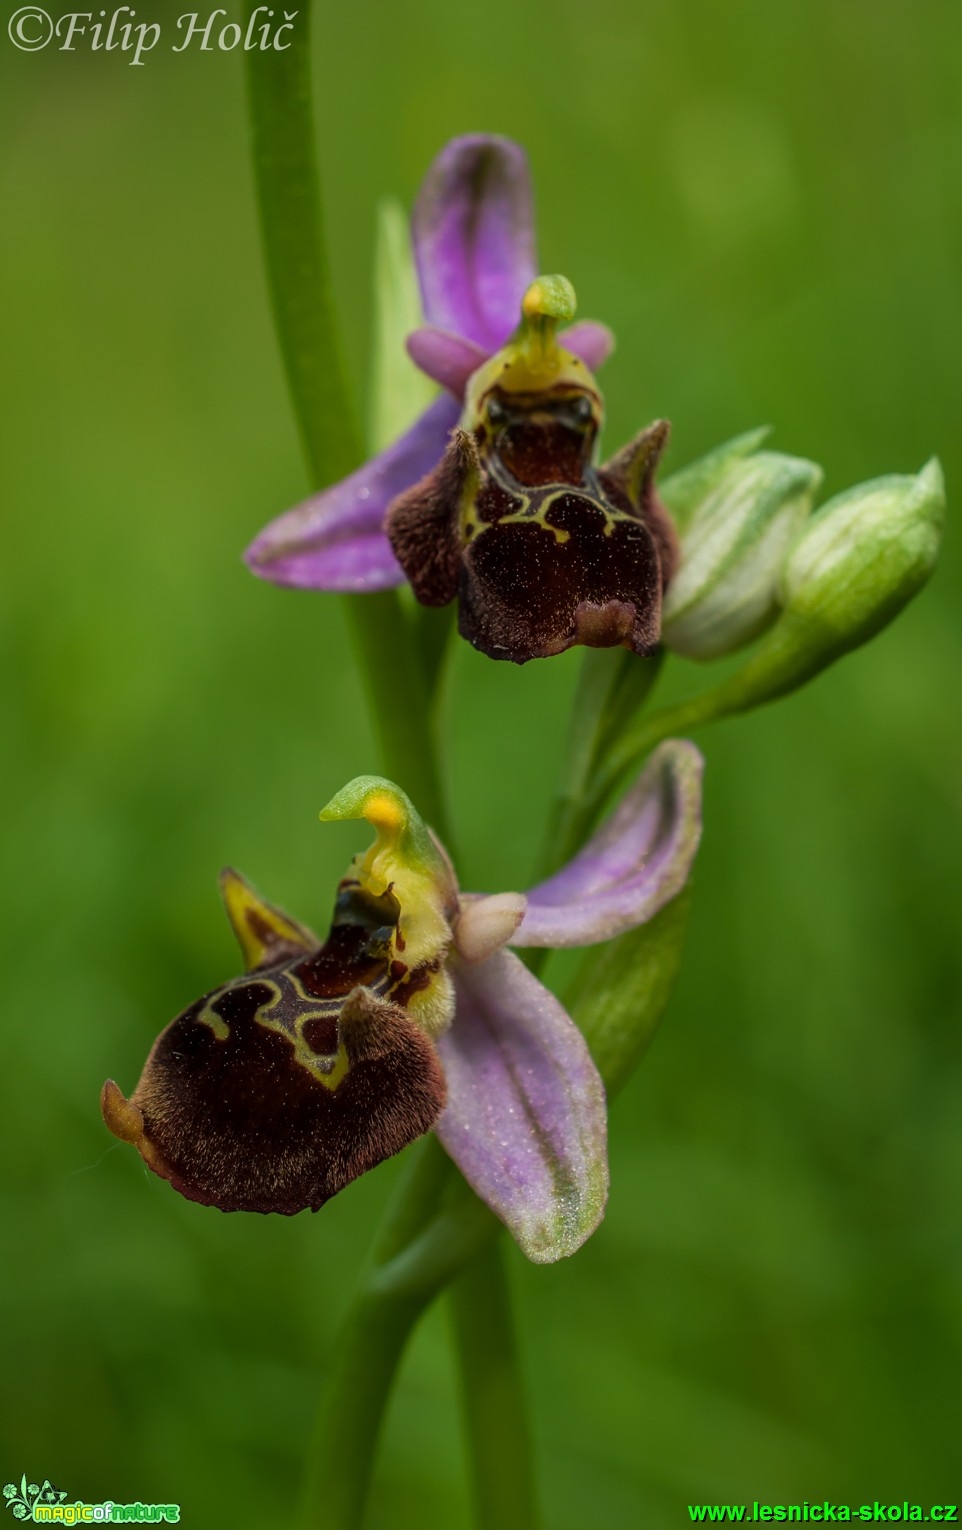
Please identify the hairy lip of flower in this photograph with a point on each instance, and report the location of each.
(274, 1091)
(511, 517)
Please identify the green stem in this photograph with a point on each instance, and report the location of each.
(434, 1228)
(793, 652)
(340, 1457)
(295, 251)
(671, 722)
(437, 1224)
(399, 701)
(612, 687)
(496, 1424)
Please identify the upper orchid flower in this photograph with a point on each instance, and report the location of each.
(274, 1091)
(510, 513)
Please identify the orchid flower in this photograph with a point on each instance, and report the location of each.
(509, 514)
(275, 1090)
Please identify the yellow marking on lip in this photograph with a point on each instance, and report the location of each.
(221, 1028)
(330, 1078)
(218, 1025)
(328, 1075)
(384, 812)
(528, 515)
(535, 518)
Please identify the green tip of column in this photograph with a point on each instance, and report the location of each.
(391, 812)
(550, 297)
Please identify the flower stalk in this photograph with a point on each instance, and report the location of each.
(292, 230)
(492, 1398)
(432, 1229)
(305, 316)
(423, 1243)
(612, 689)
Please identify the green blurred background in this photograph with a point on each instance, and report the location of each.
(765, 201)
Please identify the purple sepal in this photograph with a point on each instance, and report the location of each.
(334, 540)
(589, 340)
(635, 864)
(448, 359)
(474, 238)
(525, 1120)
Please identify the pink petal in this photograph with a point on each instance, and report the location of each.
(334, 540)
(589, 340)
(448, 359)
(473, 232)
(525, 1120)
(636, 863)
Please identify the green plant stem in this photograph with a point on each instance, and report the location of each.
(399, 701)
(437, 1224)
(671, 722)
(496, 1425)
(434, 1228)
(436, 1232)
(612, 687)
(295, 251)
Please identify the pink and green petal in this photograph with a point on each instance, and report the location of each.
(592, 342)
(525, 1121)
(474, 238)
(635, 864)
(447, 359)
(334, 540)
(451, 361)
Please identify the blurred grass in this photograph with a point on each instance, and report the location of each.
(765, 202)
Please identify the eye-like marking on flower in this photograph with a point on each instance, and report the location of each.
(509, 513)
(278, 1088)
(542, 548)
(275, 1090)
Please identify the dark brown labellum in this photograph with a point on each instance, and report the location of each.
(542, 549)
(276, 1090)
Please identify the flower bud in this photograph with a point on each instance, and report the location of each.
(864, 555)
(856, 563)
(740, 513)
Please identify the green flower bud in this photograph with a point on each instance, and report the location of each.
(740, 510)
(853, 567)
(856, 562)
(684, 491)
(864, 555)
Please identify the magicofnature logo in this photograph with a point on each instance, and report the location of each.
(20, 1500)
(43, 1504)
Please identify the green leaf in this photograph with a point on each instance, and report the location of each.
(399, 391)
(621, 990)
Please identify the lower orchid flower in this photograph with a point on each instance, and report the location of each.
(510, 514)
(275, 1090)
